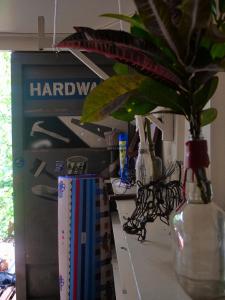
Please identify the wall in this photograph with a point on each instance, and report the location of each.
(217, 144)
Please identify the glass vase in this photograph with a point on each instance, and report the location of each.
(198, 230)
(199, 250)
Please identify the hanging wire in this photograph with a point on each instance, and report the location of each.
(120, 12)
(54, 24)
(155, 200)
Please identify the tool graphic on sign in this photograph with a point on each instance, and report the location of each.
(39, 166)
(37, 128)
(44, 144)
(92, 139)
(45, 191)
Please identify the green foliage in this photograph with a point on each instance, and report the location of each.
(134, 20)
(208, 116)
(137, 29)
(106, 97)
(162, 95)
(157, 12)
(121, 69)
(218, 50)
(205, 93)
(222, 6)
(137, 104)
(195, 15)
(179, 45)
(6, 202)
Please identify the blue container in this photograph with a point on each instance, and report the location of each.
(123, 145)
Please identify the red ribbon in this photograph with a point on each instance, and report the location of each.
(196, 155)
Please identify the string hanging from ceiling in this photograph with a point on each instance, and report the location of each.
(54, 24)
(120, 12)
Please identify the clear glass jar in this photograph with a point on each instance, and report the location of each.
(198, 231)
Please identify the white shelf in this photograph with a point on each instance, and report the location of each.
(116, 275)
(127, 286)
(146, 269)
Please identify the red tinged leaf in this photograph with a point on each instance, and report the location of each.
(123, 47)
(159, 11)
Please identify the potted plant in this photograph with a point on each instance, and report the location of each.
(170, 59)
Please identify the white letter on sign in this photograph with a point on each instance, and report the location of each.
(34, 89)
(83, 88)
(70, 88)
(58, 88)
(46, 90)
(93, 86)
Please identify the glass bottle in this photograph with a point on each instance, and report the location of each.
(144, 166)
(198, 231)
(157, 163)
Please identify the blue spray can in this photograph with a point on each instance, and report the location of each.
(123, 145)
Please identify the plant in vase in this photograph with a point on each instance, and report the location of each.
(144, 162)
(173, 52)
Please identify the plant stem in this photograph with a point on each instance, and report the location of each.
(204, 185)
(200, 173)
(195, 126)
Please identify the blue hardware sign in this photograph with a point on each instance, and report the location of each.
(59, 89)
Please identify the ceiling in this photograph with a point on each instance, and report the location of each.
(19, 20)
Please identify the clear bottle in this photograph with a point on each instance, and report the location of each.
(144, 165)
(198, 231)
(157, 163)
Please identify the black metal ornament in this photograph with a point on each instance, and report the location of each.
(157, 199)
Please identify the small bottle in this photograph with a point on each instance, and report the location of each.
(123, 145)
(144, 165)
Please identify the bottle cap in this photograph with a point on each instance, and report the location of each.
(123, 136)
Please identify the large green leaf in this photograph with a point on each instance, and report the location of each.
(208, 116)
(170, 58)
(214, 8)
(201, 78)
(222, 6)
(109, 96)
(138, 29)
(155, 38)
(162, 95)
(214, 35)
(136, 105)
(121, 69)
(157, 9)
(140, 33)
(218, 50)
(205, 93)
(134, 21)
(202, 58)
(138, 53)
(195, 16)
(123, 115)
